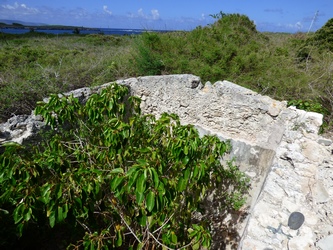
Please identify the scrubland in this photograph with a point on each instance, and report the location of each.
(293, 67)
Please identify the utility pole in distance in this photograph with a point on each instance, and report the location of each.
(313, 20)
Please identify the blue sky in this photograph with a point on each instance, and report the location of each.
(268, 15)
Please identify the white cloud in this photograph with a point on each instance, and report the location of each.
(18, 8)
(9, 7)
(155, 14)
(299, 25)
(106, 10)
(280, 27)
(140, 12)
(296, 26)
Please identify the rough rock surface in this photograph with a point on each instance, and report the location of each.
(300, 180)
(278, 147)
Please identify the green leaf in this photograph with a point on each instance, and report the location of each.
(27, 215)
(65, 210)
(59, 190)
(139, 197)
(143, 220)
(119, 240)
(161, 188)
(191, 232)
(17, 215)
(52, 218)
(60, 214)
(20, 228)
(174, 238)
(142, 162)
(186, 150)
(92, 247)
(45, 193)
(150, 200)
(4, 211)
(117, 171)
(141, 183)
(186, 160)
(195, 171)
(181, 184)
(140, 246)
(132, 170)
(196, 246)
(187, 174)
(132, 179)
(155, 177)
(97, 188)
(116, 182)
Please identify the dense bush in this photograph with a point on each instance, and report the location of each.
(108, 177)
(315, 58)
(148, 59)
(324, 36)
(222, 50)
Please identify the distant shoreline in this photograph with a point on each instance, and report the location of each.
(62, 30)
(44, 27)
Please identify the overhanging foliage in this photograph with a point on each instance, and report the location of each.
(115, 178)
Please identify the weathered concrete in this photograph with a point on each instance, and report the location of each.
(278, 147)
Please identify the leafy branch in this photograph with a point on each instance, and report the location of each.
(129, 180)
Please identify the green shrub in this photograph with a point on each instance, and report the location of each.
(209, 52)
(309, 105)
(113, 178)
(323, 37)
(148, 60)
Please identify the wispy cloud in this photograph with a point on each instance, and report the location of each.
(280, 27)
(141, 13)
(106, 10)
(155, 14)
(296, 26)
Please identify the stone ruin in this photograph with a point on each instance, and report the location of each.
(291, 166)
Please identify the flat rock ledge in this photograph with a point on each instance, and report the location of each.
(278, 147)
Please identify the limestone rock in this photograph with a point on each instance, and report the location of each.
(21, 128)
